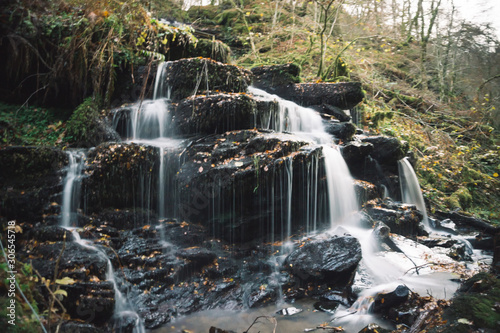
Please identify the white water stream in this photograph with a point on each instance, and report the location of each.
(70, 203)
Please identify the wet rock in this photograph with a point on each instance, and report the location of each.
(337, 113)
(29, 178)
(387, 150)
(49, 234)
(330, 261)
(199, 257)
(192, 76)
(343, 131)
(215, 114)
(365, 191)
(468, 222)
(343, 95)
(385, 301)
(92, 302)
(460, 251)
(374, 328)
(218, 330)
(75, 260)
(234, 182)
(76, 326)
(126, 218)
(403, 220)
(120, 176)
(271, 77)
(355, 152)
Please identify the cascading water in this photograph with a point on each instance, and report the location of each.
(71, 191)
(307, 124)
(410, 188)
(69, 207)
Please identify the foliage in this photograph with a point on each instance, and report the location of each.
(84, 124)
(30, 125)
(63, 51)
(25, 320)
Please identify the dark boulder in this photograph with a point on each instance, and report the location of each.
(365, 191)
(193, 76)
(29, 178)
(401, 219)
(214, 114)
(355, 152)
(343, 131)
(328, 261)
(345, 95)
(332, 111)
(235, 182)
(387, 150)
(271, 77)
(385, 301)
(92, 302)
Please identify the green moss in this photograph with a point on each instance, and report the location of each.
(477, 303)
(85, 128)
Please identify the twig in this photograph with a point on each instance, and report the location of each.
(271, 319)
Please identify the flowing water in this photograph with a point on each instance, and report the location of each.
(149, 123)
(410, 188)
(71, 190)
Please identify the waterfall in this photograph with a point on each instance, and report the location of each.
(308, 124)
(70, 201)
(123, 309)
(71, 190)
(410, 188)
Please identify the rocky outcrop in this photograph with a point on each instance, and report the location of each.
(328, 261)
(387, 150)
(192, 76)
(236, 182)
(275, 76)
(402, 219)
(215, 114)
(30, 179)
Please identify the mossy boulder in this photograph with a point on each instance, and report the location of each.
(477, 301)
(86, 128)
(192, 76)
(210, 48)
(270, 77)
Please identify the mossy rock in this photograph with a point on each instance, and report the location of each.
(85, 128)
(477, 301)
(208, 48)
(276, 75)
(459, 199)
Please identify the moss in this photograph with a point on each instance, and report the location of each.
(477, 302)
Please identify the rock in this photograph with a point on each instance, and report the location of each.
(374, 328)
(76, 326)
(385, 301)
(343, 131)
(387, 150)
(50, 234)
(334, 111)
(365, 191)
(468, 222)
(120, 176)
(91, 302)
(460, 251)
(329, 261)
(404, 220)
(29, 178)
(343, 95)
(270, 77)
(249, 172)
(197, 76)
(355, 152)
(214, 114)
(219, 330)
